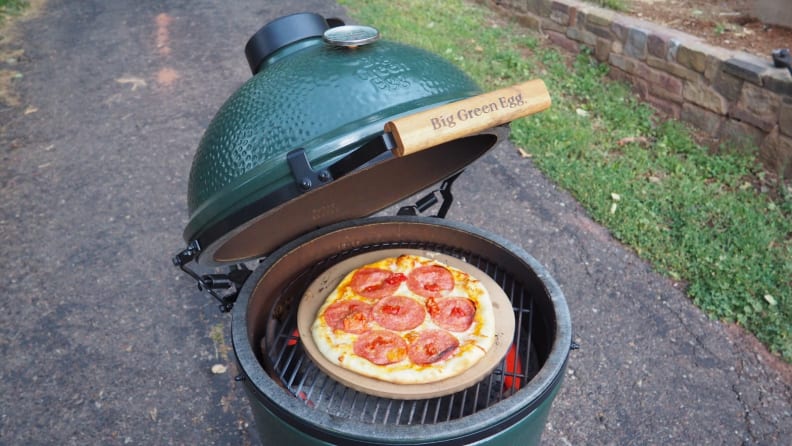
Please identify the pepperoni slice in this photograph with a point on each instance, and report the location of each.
(381, 347)
(398, 313)
(351, 316)
(432, 346)
(451, 313)
(376, 283)
(430, 281)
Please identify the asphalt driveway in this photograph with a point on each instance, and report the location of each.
(104, 342)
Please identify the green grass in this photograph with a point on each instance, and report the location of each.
(11, 7)
(706, 220)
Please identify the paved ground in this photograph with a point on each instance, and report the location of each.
(104, 342)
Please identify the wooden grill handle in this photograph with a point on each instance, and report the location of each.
(455, 120)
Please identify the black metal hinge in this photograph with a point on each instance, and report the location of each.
(431, 199)
(305, 177)
(223, 287)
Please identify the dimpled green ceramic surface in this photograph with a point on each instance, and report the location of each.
(315, 96)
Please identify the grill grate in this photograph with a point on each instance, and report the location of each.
(287, 362)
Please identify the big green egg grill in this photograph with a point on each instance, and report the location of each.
(335, 125)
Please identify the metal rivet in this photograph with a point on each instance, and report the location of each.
(324, 175)
(305, 184)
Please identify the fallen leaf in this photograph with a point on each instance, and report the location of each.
(30, 109)
(581, 112)
(613, 208)
(523, 153)
(219, 369)
(135, 81)
(770, 299)
(615, 196)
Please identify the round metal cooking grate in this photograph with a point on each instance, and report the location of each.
(285, 359)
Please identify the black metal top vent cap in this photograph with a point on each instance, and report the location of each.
(281, 32)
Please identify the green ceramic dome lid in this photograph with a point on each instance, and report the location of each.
(312, 104)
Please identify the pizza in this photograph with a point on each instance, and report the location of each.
(406, 320)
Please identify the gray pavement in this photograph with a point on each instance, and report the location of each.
(104, 342)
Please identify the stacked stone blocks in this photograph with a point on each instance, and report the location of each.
(731, 96)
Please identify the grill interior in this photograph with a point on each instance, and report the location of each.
(285, 360)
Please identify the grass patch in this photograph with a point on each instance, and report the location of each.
(697, 217)
(218, 339)
(11, 7)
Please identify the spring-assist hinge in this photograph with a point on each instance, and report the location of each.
(223, 287)
(431, 199)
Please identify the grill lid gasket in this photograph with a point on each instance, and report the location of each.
(361, 188)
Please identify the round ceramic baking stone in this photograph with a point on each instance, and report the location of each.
(327, 281)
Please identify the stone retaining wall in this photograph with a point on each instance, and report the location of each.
(730, 95)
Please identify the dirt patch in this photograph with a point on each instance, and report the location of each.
(750, 343)
(725, 23)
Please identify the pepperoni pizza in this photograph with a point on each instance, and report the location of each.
(406, 320)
